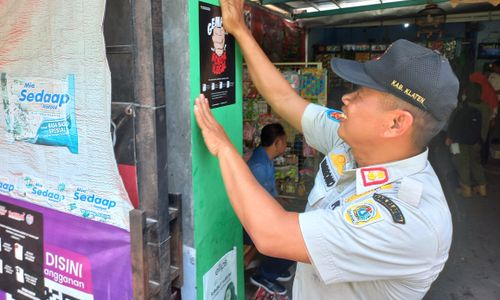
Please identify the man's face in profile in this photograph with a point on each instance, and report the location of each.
(219, 39)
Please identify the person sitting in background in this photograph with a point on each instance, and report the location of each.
(469, 127)
(272, 144)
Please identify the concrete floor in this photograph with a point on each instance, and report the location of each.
(473, 268)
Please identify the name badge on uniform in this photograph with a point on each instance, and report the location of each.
(327, 173)
(362, 213)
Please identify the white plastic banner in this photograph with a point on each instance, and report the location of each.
(55, 90)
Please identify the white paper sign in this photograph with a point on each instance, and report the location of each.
(220, 282)
(55, 109)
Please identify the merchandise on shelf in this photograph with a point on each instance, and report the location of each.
(296, 168)
(293, 78)
(313, 85)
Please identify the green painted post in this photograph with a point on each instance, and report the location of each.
(216, 227)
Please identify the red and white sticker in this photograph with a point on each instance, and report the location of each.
(374, 176)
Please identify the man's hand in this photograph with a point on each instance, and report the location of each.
(232, 15)
(214, 135)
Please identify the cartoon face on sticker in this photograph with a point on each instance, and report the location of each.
(219, 40)
(218, 34)
(362, 213)
(374, 176)
(335, 115)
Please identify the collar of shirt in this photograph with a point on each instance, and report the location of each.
(373, 177)
(259, 155)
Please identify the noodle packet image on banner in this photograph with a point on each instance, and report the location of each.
(40, 110)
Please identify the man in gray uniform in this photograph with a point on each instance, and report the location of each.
(377, 225)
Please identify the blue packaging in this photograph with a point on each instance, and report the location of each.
(40, 110)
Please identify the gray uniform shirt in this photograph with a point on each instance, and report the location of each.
(378, 232)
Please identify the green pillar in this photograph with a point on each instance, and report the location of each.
(216, 229)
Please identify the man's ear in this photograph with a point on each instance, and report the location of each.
(400, 122)
(275, 143)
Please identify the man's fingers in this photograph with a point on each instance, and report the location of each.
(207, 113)
(199, 114)
(203, 113)
(199, 118)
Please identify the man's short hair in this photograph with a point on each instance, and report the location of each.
(425, 126)
(270, 133)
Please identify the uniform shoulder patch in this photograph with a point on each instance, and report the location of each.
(335, 115)
(397, 215)
(362, 213)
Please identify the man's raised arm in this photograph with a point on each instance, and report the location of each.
(268, 80)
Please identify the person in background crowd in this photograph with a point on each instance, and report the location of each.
(494, 79)
(468, 128)
(489, 97)
(377, 224)
(488, 94)
(272, 144)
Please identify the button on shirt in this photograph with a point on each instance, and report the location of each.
(263, 170)
(377, 232)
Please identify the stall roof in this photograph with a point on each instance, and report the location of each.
(313, 13)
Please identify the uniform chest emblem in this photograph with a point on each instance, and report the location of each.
(374, 176)
(362, 213)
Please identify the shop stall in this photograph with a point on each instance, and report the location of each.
(107, 190)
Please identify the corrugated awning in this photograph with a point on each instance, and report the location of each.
(320, 11)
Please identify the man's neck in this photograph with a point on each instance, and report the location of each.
(383, 154)
(270, 153)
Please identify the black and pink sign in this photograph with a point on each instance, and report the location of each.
(217, 71)
(21, 251)
(62, 256)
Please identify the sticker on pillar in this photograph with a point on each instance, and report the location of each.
(217, 70)
(219, 283)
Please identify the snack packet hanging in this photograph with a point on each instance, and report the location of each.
(40, 110)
